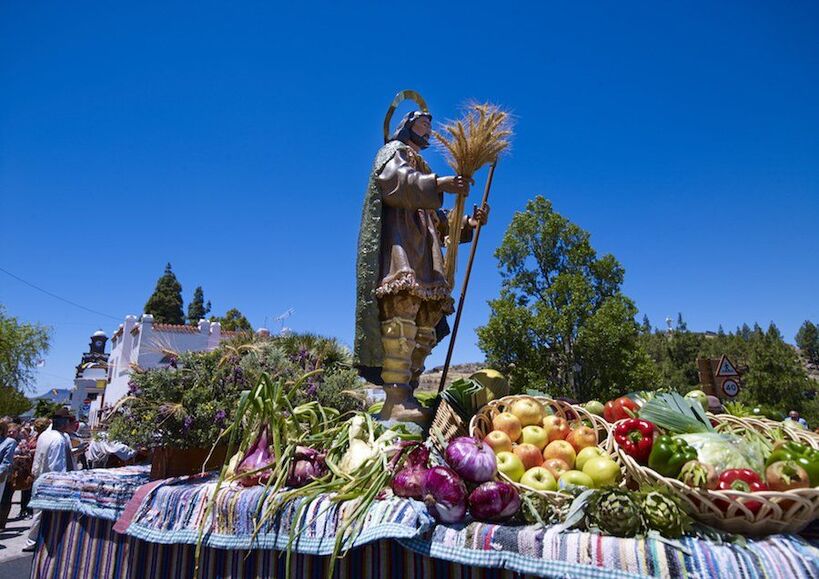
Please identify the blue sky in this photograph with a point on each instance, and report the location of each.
(234, 141)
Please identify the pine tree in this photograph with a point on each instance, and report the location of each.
(165, 304)
(198, 309)
(807, 340)
(645, 327)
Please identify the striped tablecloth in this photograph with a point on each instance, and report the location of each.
(164, 527)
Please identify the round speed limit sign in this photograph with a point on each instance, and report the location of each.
(730, 388)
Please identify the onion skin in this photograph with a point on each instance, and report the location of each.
(256, 457)
(472, 459)
(494, 501)
(445, 495)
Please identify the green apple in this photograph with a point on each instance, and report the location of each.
(575, 478)
(594, 407)
(700, 397)
(587, 454)
(603, 471)
(536, 435)
(510, 464)
(539, 479)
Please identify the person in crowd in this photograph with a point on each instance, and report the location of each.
(8, 444)
(793, 417)
(53, 454)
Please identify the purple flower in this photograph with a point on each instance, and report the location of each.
(186, 426)
(219, 417)
(133, 388)
(312, 387)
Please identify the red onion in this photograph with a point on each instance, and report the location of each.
(409, 482)
(472, 459)
(256, 457)
(494, 501)
(308, 465)
(445, 495)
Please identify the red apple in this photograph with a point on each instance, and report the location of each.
(528, 410)
(560, 449)
(556, 466)
(556, 428)
(508, 423)
(499, 441)
(529, 454)
(535, 435)
(582, 437)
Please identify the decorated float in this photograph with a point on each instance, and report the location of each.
(288, 482)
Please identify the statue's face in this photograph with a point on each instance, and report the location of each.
(422, 127)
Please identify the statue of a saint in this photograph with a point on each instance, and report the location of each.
(402, 294)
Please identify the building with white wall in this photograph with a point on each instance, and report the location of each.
(146, 345)
(91, 377)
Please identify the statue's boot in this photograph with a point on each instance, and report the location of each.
(425, 340)
(398, 338)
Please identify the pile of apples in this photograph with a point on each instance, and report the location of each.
(544, 452)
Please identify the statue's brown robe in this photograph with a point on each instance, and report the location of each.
(399, 247)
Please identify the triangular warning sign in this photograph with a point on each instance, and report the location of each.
(726, 367)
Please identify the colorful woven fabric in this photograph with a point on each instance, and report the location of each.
(531, 550)
(99, 493)
(173, 514)
(166, 523)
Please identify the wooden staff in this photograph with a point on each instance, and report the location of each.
(461, 299)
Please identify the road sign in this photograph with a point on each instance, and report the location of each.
(730, 388)
(726, 367)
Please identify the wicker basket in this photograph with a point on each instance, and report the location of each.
(481, 425)
(781, 512)
(448, 424)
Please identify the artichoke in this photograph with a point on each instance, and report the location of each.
(664, 512)
(535, 510)
(614, 512)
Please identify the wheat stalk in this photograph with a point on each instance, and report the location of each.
(476, 140)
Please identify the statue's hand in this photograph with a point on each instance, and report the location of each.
(455, 184)
(479, 215)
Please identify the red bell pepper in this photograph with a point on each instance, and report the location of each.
(745, 480)
(636, 437)
(623, 407)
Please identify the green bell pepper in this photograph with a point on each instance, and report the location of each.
(802, 454)
(668, 455)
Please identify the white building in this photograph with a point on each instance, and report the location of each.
(147, 345)
(91, 377)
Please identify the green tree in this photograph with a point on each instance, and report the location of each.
(560, 317)
(645, 326)
(12, 401)
(233, 321)
(45, 408)
(22, 346)
(165, 304)
(807, 340)
(197, 308)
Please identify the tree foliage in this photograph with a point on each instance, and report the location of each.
(197, 308)
(165, 304)
(233, 321)
(560, 321)
(772, 375)
(12, 401)
(22, 346)
(807, 340)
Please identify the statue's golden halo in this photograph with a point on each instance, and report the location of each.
(399, 98)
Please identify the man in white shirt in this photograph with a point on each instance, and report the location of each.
(53, 454)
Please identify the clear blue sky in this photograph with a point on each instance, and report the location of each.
(234, 141)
